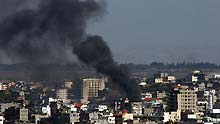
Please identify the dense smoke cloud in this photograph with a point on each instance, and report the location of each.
(45, 34)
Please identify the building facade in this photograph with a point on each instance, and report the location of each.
(91, 88)
(187, 99)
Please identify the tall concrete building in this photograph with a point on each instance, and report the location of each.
(91, 87)
(187, 99)
(182, 99)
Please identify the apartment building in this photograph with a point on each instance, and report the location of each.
(187, 99)
(91, 87)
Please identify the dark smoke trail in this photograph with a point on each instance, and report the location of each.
(94, 51)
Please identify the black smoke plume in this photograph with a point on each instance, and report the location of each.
(95, 51)
(48, 32)
(45, 34)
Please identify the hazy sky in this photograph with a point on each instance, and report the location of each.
(142, 31)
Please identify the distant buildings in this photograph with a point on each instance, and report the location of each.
(164, 78)
(164, 100)
(199, 76)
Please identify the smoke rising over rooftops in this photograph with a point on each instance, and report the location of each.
(45, 33)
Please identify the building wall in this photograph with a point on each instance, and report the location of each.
(187, 100)
(91, 87)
